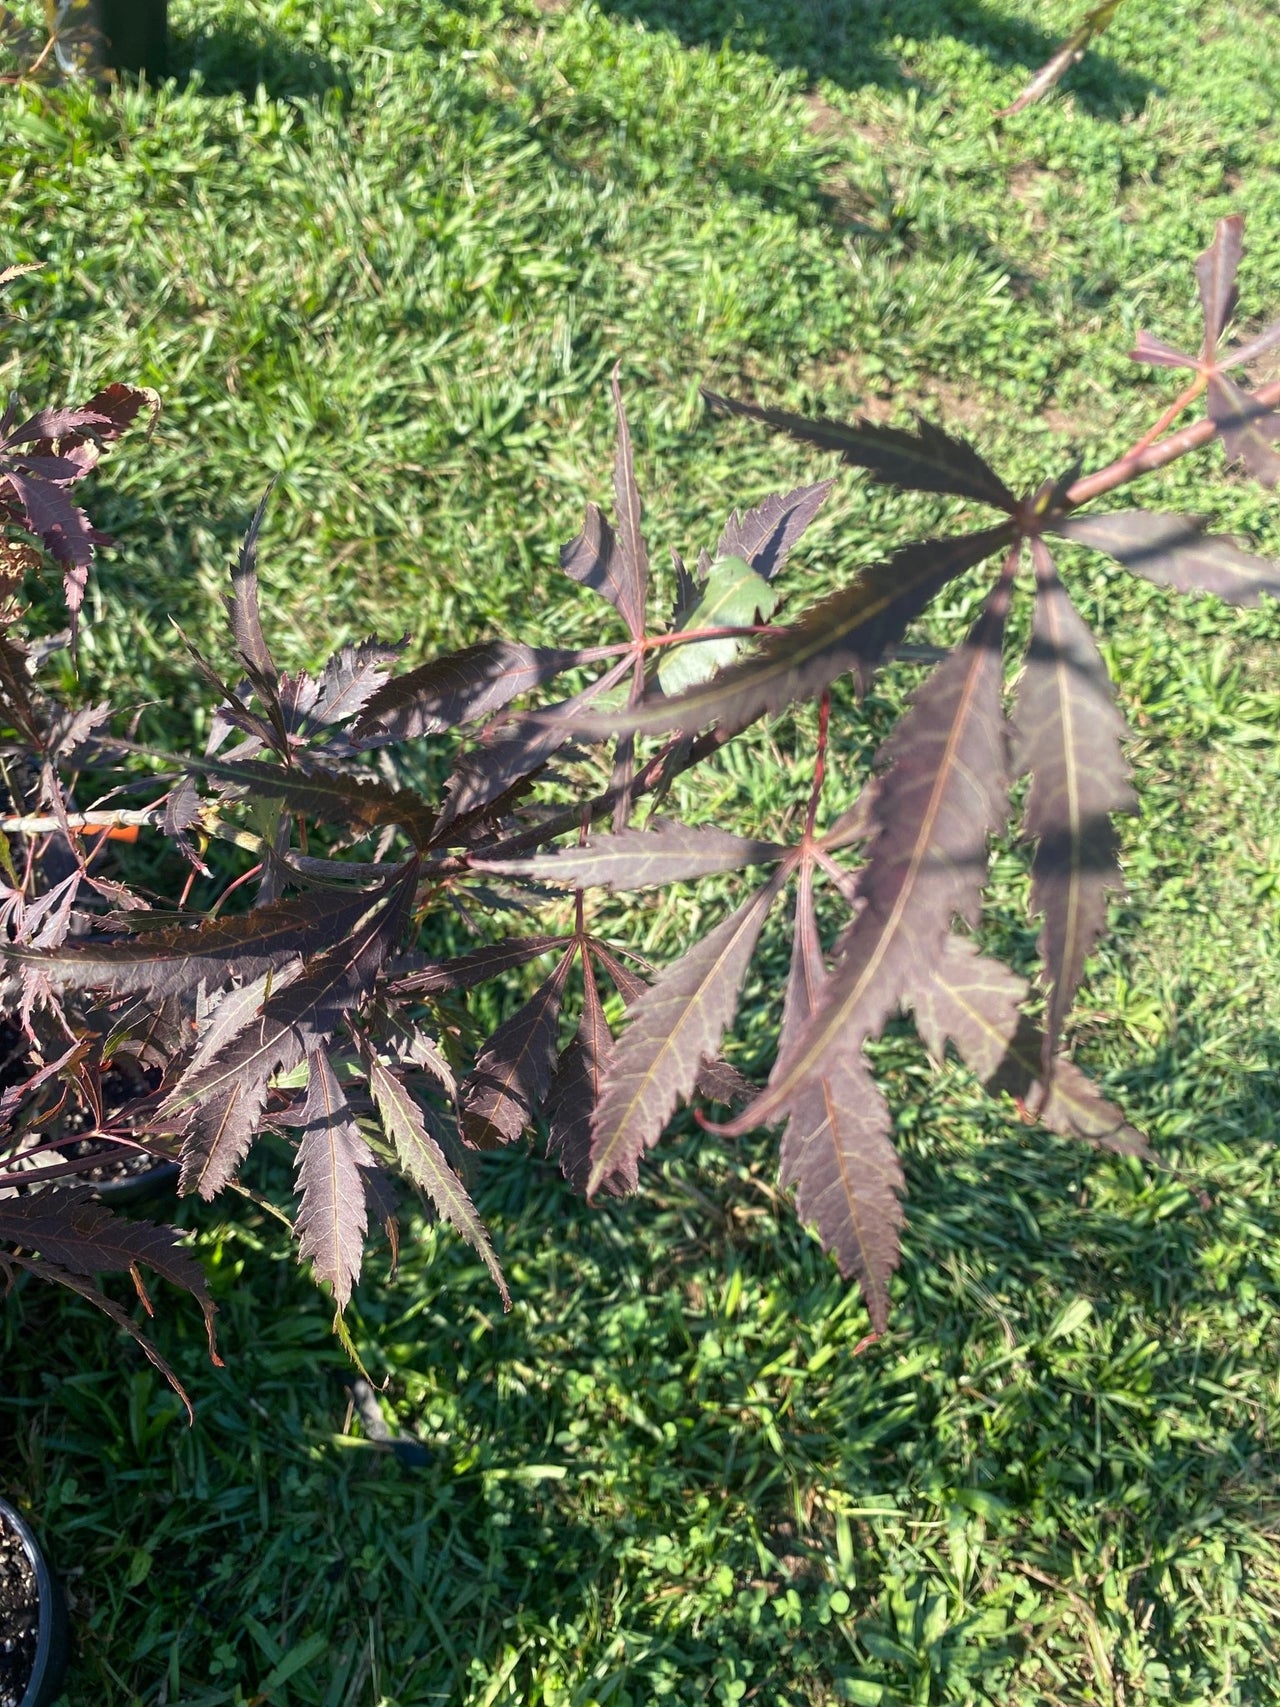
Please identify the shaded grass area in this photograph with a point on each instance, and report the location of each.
(389, 253)
(668, 1473)
(878, 42)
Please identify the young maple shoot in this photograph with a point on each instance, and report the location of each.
(321, 1016)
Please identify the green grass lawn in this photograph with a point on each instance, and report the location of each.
(388, 250)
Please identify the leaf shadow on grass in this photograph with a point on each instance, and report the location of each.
(1137, 1433)
(851, 42)
(310, 1530)
(231, 61)
(656, 1395)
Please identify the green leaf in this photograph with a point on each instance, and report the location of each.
(885, 1648)
(862, 1691)
(734, 596)
(6, 861)
(850, 630)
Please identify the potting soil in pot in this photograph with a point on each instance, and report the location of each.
(19, 1617)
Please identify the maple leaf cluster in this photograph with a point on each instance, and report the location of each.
(320, 1014)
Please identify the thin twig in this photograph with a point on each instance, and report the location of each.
(1170, 415)
(819, 764)
(1178, 444)
(45, 823)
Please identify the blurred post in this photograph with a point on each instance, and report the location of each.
(137, 34)
(93, 38)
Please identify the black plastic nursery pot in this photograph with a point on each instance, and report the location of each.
(117, 1176)
(159, 1180)
(34, 1644)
